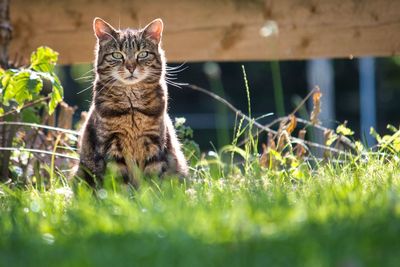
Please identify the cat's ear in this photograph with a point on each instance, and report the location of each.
(103, 30)
(153, 31)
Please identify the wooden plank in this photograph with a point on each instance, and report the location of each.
(218, 29)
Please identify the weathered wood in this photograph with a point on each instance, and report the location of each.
(6, 133)
(5, 32)
(216, 29)
(65, 116)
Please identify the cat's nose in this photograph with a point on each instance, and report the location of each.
(130, 67)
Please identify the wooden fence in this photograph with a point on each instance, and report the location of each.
(216, 29)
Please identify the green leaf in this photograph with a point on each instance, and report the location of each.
(44, 59)
(396, 144)
(58, 86)
(30, 115)
(5, 79)
(276, 155)
(8, 94)
(332, 138)
(34, 83)
(22, 87)
(359, 146)
(56, 95)
(373, 132)
(54, 100)
(391, 128)
(343, 130)
(1, 111)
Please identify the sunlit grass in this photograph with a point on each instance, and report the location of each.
(336, 215)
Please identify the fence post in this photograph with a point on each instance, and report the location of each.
(320, 73)
(366, 67)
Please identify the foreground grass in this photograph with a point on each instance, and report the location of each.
(336, 215)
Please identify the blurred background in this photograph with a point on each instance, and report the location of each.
(363, 91)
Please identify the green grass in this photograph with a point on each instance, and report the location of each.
(334, 215)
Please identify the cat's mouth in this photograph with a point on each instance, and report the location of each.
(131, 77)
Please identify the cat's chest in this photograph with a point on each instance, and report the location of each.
(130, 98)
(128, 136)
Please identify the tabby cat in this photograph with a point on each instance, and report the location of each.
(128, 122)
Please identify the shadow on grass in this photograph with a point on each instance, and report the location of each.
(338, 244)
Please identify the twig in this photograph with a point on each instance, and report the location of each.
(304, 100)
(35, 125)
(38, 151)
(27, 105)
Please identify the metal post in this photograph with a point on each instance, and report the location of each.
(320, 73)
(366, 68)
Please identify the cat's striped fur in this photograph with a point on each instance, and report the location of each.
(128, 122)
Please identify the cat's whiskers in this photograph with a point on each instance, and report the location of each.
(178, 85)
(111, 86)
(87, 88)
(85, 78)
(91, 70)
(168, 80)
(180, 67)
(175, 71)
(112, 80)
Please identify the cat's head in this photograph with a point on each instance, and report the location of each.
(129, 56)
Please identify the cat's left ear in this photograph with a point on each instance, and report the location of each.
(153, 31)
(103, 30)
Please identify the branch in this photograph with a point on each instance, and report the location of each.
(34, 125)
(27, 105)
(39, 151)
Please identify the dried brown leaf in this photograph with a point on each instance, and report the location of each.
(316, 106)
(292, 124)
(300, 150)
(264, 159)
(271, 141)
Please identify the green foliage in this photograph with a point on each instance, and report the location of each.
(28, 95)
(388, 142)
(185, 134)
(337, 215)
(26, 84)
(343, 130)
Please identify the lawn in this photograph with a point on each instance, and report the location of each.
(335, 214)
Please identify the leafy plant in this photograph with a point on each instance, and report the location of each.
(185, 134)
(389, 142)
(18, 86)
(29, 94)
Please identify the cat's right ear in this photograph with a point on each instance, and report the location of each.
(103, 30)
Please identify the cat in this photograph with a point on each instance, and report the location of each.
(127, 122)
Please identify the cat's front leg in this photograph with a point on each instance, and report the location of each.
(91, 171)
(156, 165)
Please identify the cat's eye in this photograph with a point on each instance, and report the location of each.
(143, 54)
(117, 55)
